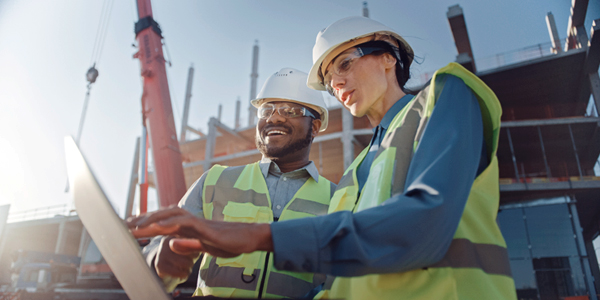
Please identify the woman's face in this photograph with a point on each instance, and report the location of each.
(363, 86)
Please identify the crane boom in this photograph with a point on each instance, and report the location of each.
(156, 109)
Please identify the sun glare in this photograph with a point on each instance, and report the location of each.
(11, 174)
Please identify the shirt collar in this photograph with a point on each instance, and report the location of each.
(266, 163)
(393, 111)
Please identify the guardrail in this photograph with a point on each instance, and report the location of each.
(505, 181)
(499, 60)
(516, 56)
(40, 213)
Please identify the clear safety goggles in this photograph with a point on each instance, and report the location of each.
(342, 64)
(288, 112)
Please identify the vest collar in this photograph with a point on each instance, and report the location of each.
(393, 111)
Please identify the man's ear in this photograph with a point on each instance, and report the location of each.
(316, 125)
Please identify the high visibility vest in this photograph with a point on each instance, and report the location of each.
(240, 194)
(476, 266)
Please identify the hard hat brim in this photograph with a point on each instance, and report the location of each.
(314, 82)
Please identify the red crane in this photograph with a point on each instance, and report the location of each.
(157, 111)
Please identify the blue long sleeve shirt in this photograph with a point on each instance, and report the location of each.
(409, 230)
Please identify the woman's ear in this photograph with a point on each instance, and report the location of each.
(389, 60)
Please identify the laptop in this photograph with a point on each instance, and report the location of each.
(117, 245)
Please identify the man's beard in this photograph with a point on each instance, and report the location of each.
(277, 152)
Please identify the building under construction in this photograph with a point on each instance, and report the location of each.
(549, 147)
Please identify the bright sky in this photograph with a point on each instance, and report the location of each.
(46, 48)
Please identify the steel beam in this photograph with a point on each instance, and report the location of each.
(551, 186)
(548, 173)
(545, 122)
(196, 131)
(223, 129)
(575, 151)
(220, 159)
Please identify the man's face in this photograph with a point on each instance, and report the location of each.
(278, 136)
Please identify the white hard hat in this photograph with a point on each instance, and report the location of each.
(290, 84)
(341, 32)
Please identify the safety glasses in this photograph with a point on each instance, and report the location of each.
(343, 63)
(268, 109)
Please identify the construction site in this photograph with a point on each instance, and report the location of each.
(548, 160)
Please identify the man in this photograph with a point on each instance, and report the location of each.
(414, 216)
(283, 185)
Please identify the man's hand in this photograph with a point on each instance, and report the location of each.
(176, 262)
(221, 239)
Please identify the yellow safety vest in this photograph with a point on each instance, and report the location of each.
(476, 266)
(240, 194)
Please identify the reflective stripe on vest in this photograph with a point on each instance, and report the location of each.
(240, 194)
(476, 265)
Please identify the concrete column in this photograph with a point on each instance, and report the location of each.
(211, 140)
(4, 209)
(237, 113)
(556, 47)
(581, 35)
(458, 26)
(253, 78)
(133, 179)
(576, 20)
(219, 115)
(83, 242)
(61, 241)
(347, 137)
(593, 61)
(585, 262)
(186, 105)
(595, 89)
(589, 245)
